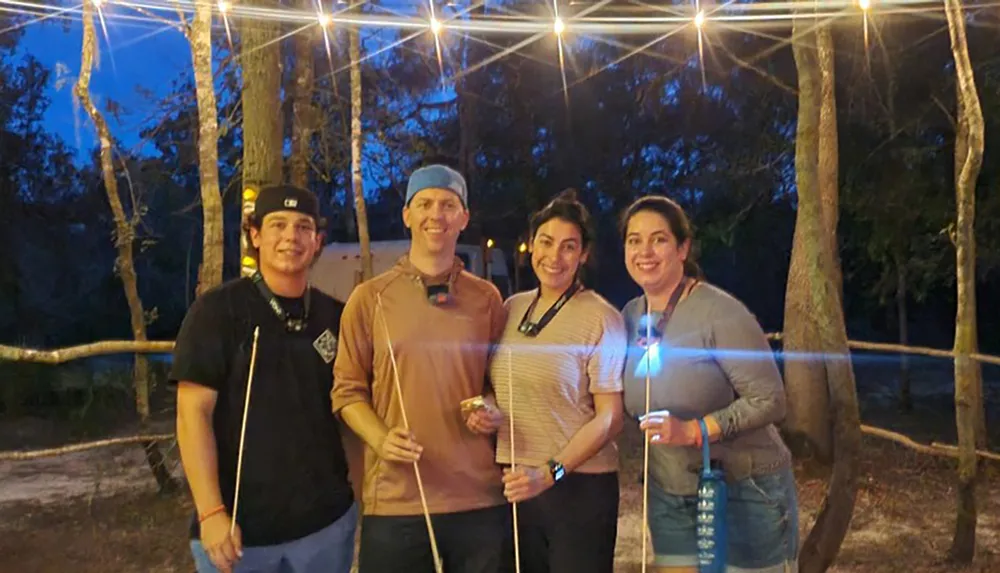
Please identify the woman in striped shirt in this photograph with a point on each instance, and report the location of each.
(557, 373)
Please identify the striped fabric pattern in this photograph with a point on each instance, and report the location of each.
(554, 375)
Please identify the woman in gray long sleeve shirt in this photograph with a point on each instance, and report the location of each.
(707, 358)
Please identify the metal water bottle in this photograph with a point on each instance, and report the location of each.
(711, 515)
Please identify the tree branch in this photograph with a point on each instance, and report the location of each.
(104, 347)
(934, 449)
(73, 448)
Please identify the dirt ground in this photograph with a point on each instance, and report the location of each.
(98, 512)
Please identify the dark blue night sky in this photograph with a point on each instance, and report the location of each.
(139, 55)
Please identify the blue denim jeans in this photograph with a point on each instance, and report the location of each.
(762, 521)
(329, 550)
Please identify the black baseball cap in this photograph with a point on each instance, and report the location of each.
(285, 197)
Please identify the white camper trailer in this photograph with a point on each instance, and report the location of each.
(338, 269)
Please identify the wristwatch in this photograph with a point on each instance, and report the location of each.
(557, 470)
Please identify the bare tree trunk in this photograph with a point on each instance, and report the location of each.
(357, 180)
(902, 321)
(816, 287)
(303, 112)
(124, 236)
(969, 414)
(200, 37)
(829, 156)
(260, 58)
(353, 445)
(807, 425)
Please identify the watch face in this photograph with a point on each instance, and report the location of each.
(558, 471)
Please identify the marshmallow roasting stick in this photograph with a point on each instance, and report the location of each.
(243, 431)
(645, 454)
(406, 424)
(513, 464)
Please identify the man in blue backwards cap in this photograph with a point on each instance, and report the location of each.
(429, 324)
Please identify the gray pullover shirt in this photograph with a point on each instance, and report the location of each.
(713, 359)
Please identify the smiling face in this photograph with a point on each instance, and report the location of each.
(286, 242)
(435, 218)
(653, 257)
(556, 254)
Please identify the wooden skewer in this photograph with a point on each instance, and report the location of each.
(645, 453)
(243, 431)
(513, 464)
(438, 567)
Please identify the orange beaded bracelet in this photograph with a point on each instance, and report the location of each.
(210, 513)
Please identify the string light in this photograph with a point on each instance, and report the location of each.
(770, 14)
(865, 6)
(436, 30)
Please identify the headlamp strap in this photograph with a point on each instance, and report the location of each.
(291, 324)
(657, 331)
(529, 328)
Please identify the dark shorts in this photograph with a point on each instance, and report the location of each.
(571, 527)
(762, 518)
(477, 541)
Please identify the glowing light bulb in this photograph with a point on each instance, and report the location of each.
(223, 6)
(436, 26)
(699, 20)
(558, 27)
(325, 19)
(97, 3)
(864, 4)
(489, 243)
(523, 247)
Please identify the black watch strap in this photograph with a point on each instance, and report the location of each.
(557, 469)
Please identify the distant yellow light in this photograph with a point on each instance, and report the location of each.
(249, 262)
(523, 247)
(558, 26)
(249, 194)
(489, 243)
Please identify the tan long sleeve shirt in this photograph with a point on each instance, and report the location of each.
(441, 353)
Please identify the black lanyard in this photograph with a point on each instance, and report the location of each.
(532, 329)
(291, 324)
(656, 333)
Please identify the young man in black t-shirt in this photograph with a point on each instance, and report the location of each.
(296, 510)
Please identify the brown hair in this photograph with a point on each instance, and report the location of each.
(564, 206)
(677, 220)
